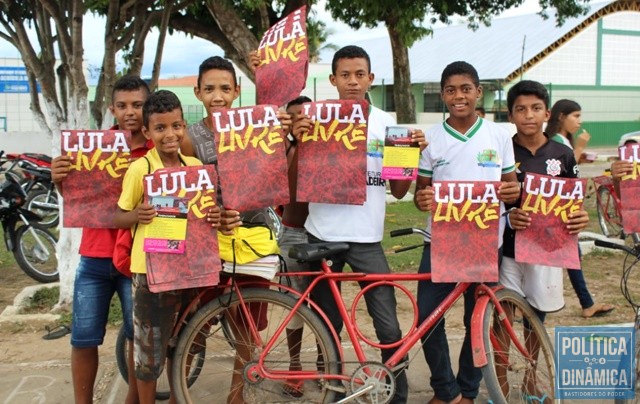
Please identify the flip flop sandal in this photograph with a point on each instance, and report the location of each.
(56, 332)
(293, 388)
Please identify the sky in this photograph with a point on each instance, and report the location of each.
(183, 54)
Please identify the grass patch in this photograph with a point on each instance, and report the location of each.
(45, 299)
(401, 215)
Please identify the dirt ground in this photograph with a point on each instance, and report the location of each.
(602, 272)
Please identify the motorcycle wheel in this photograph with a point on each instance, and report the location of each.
(44, 203)
(35, 253)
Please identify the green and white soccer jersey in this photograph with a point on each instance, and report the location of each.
(484, 153)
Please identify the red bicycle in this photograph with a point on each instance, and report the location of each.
(516, 357)
(608, 206)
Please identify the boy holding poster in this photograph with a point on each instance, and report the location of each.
(541, 285)
(534, 152)
(361, 226)
(154, 314)
(96, 278)
(463, 148)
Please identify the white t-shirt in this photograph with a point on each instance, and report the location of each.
(484, 153)
(357, 223)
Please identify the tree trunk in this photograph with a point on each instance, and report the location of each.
(236, 31)
(164, 24)
(402, 96)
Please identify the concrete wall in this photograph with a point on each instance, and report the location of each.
(27, 141)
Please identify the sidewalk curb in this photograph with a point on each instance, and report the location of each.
(11, 314)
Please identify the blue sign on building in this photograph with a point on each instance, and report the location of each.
(14, 79)
(595, 363)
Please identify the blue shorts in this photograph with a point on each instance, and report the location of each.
(96, 282)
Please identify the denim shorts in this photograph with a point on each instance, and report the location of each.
(95, 283)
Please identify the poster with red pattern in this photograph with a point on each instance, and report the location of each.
(549, 201)
(284, 60)
(630, 189)
(199, 265)
(99, 160)
(332, 156)
(252, 162)
(465, 222)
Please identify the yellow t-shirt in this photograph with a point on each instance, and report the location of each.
(131, 197)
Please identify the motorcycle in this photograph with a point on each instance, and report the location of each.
(33, 246)
(42, 198)
(34, 171)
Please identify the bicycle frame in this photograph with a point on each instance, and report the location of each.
(607, 182)
(484, 295)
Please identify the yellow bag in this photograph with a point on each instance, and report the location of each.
(248, 243)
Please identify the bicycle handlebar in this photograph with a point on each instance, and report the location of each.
(614, 246)
(401, 232)
(409, 230)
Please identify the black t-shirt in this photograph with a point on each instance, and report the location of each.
(552, 159)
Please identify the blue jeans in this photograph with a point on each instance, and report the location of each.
(576, 276)
(445, 385)
(95, 283)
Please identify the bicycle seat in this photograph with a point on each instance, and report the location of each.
(316, 252)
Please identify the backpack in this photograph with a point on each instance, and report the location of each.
(124, 242)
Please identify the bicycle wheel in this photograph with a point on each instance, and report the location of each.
(35, 253)
(510, 375)
(162, 387)
(217, 378)
(608, 215)
(44, 203)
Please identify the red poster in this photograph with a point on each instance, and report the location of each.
(465, 221)
(252, 163)
(630, 189)
(284, 56)
(332, 156)
(549, 201)
(199, 265)
(91, 190)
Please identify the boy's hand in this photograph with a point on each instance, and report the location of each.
(509, 192)
(146, 213)
(577, 221)
(214, 216)
(301, 125)
(417, 135)
(424, 199)
(519, 219)
(254, 60)
(60, 167)
(229, 220)
(285, 120)
(620, 168)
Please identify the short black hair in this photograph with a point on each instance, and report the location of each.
(350, 52)
(459, 68)
(298, 101)
(160, 102)
(527, 87)
(130, 82)
(217, 63)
